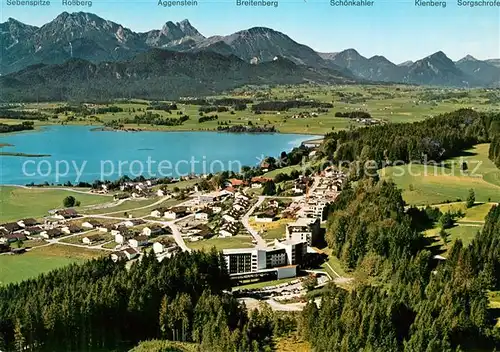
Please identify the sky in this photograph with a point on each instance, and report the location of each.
(398, 30)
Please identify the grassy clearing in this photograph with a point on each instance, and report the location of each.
(16, 268)
(292, 344)
(465, 232)
(333, 263)
(163, 346)
(237, 241)
(118, 210)
(147, 211)
(105, 237)
(475, 214)
(272, 230)
(428, 185)
(17, 203)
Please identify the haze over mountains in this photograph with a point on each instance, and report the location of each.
(89, 37)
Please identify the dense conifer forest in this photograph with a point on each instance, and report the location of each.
(417, 303)
(433, 139)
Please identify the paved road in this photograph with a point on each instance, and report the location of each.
(245, 221)
(253, 303)
(175, 232)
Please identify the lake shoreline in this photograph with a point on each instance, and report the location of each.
(100, 128)
(75, 153)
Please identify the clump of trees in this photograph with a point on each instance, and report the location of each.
(24, 126)
(208, 118)
(70, 201)
(354, 115)
(289, 104)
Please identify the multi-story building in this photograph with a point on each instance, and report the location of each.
(304, 229)
(282, 259)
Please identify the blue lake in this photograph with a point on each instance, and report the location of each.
(79, 154)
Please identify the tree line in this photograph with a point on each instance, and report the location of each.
(289, 104)
(149, 118)
(433, 139)
(24, 126)
(103, 305)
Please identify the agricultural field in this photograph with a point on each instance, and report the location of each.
(387, 104)
(16, 268)
(433, 185)
(17, 202)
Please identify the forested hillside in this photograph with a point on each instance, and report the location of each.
(433, 139)
(103, 306)
(157, 75)
(419, 304)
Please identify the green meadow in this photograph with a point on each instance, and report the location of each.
(16, 268)
(433, 185)
(238, 241)
(17, 202)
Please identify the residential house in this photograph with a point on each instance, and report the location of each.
(164, 245)
(232, 215)
(32, 230)
(15, 236)
(11, 227)
(90, 240)
(273, 203)
(159, 212)
(28, 222)
(123, 237)
(175, 213)
(264, 166)
(229, 229)
(204, 231)
(119, 230)
(138, 241)
(105, 228)
(258, 182)
(237, 183)
(118, 256)
(153, 231)
(91, 224)
(241, 204)
(130, 253)
(66, 214)
(133, 222)
(52, 233)
(72, 228)
(268, 215)
(203, 216)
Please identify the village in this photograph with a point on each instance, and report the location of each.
(237, 209)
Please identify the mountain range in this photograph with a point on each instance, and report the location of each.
(91, 38)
